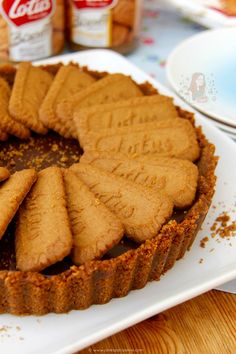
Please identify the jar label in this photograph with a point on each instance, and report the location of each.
(29, 28)
(104, 23)
(91, 22)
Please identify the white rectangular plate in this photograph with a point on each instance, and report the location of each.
(61, 334)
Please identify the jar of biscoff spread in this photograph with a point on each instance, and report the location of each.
(104, 23)
(31, 29)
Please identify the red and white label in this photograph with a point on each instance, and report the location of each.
(29, 27)
(21, 12)
(93, 4)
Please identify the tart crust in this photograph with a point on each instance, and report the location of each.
(97, 282)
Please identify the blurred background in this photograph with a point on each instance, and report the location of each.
(184, 44)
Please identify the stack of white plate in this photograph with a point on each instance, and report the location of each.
(208, 13)
(202, 70)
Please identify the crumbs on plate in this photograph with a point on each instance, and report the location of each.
(222, 228)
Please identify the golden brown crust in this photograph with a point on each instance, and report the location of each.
(141, 210)
(7, 123)
(68, 81)
(133, 111)
(30, 87)
(43, 235)
(4, 174)
(173, 137)
(178, 178)
(111, 88)
(94, 228)
(12, 194)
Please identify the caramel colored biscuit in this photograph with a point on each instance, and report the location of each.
(4, 39)
(141, 210)
(126, 113)
(94, 228)
(58, 41)
(43, 235)
(7, 123)
(12, 194)
(4, 174)
(178, 178)
(173, 138)
(111, 88)
(3, 136)
(30, 87)
(58, 27)
(120, 34)
(4, 54)
(3, 22)
(68, 80)
(58, 19)
(124, 12)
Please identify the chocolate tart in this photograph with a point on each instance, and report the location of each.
(128, 266)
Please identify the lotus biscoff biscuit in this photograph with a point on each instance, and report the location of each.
(94, 227)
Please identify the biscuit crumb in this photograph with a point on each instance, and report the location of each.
(64, 159)
(54, 147)
(204, 241)
(223, 218)
(221, 228)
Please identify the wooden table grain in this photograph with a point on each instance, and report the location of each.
(204, 325)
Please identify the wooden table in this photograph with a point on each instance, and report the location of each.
(204, 325)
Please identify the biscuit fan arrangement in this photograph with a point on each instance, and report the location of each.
(118, 211)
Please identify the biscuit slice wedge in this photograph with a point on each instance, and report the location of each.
(7, 123)
(12, 194)
(126, 113)
(178, 178)
(68, 81)
(173, 138)
(111, 88)
(43, 235)
(29, 89)
(3, 136)
(4, 174)
(94, 227)
(141, 210)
